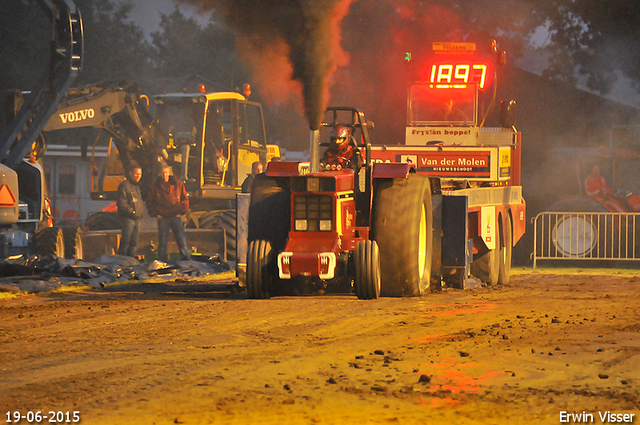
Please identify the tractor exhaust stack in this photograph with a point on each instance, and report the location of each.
(314, 140)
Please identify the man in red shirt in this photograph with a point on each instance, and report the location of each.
(168, 200)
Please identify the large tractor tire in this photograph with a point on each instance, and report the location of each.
(402, 226)
(367, 265)
(103, 221)
(581, 236)
(226, 220)
(270, 211)
(506, 249)
(259, 267)
(49, 241)
(72, 243)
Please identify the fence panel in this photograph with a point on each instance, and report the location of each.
(586, 236)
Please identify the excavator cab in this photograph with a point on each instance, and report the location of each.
(212, 140)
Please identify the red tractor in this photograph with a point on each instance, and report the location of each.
(334, 226)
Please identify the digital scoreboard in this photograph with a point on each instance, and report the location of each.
(454, 66)
(449, 74)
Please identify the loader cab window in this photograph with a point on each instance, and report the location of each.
(182, 122)
(179, 119)
(218, 130)
(219, 124)
(250, 125)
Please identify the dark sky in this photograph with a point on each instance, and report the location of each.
(146, 13)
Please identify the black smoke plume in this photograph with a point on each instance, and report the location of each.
(305, 32)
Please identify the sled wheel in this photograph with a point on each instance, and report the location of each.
(367, 262)
(72, 243)
(403, 228)
(49, 241)
(258, 261)
(576, 236)
(505, 254)
(487, 267)
(584, 234)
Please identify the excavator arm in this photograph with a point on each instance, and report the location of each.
(116, 108)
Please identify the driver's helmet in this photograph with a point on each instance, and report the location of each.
(339, 137)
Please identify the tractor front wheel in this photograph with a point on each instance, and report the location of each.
(258, 261)
(367, 262)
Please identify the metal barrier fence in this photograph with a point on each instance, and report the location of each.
(586, 236)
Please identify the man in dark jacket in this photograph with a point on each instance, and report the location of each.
(256, 168)
(130, 209)
(167, 200)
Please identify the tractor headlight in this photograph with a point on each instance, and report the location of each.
(301, 225)
(325, 225)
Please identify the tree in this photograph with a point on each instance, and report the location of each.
(25, 33)
(182, 47)
(115, 48)
(594, 38)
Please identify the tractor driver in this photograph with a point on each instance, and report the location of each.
(596, 186)
(343, 151)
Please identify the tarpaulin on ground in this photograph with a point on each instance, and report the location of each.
(37, 274)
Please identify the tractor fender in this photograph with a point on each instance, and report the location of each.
(392, 170)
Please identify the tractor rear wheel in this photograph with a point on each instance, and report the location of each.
(402, 225)
(72, 243)
(367, 262)
(49, 241)
(270, 211)
(259, 258)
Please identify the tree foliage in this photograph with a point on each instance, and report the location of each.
(182, 47)
(115, 47)
(594, 38)
(24, 44)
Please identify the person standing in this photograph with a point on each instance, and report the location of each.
(168, 201)
(130, 210)
(256, 168)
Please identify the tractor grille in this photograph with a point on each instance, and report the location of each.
(313, 213)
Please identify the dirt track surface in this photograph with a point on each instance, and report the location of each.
(153, 354)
